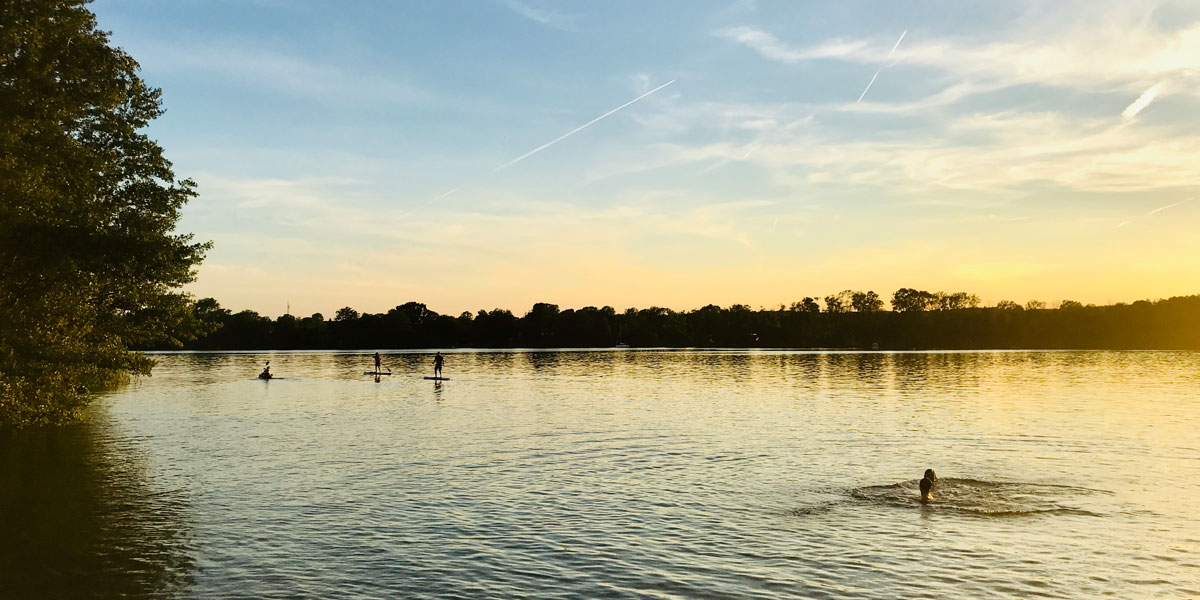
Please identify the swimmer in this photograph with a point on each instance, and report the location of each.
(927, 485)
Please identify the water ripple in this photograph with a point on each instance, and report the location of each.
(681, 474)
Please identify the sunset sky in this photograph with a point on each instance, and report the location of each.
(491, 154)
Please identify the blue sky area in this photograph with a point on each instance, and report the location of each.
(366, 154)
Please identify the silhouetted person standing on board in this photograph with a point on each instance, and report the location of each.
(437, 364)
(377, 362)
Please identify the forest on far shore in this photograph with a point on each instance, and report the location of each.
(851, 319)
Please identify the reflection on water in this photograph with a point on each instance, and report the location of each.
(79, 522)
(630, 474)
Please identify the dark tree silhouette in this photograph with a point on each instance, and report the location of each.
(1165, 324)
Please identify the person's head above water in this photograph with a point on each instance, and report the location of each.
(927, 485)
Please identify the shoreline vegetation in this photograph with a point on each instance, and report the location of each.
(91, 263)
(918, 320)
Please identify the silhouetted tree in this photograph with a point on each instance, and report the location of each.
(838, 303)
(955, 301)
(808, 305)
(910, 300)
(1173, 323)
(865, 302)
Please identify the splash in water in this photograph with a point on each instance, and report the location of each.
(985, 498)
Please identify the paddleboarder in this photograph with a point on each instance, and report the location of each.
(378, 362)
(437, 364)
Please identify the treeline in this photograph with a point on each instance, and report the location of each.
(851, 319)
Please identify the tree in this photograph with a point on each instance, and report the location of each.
(955, 301)
(865, 302)
(89, 258)
(807, 305)
(911, 300)
(839, 303)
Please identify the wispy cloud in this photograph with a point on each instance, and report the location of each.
(548, 17)
(1113, 55)
(975, 151)
(771, 47)
(255, 66)
(1142, 102)
(1007, 219)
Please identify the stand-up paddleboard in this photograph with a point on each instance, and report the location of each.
(438, 378)
(376, 373)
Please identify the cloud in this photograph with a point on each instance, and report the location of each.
(550, 18)
(1115, 54)
(770, 47)
(968, 133)
(266, 68)
(975, 151)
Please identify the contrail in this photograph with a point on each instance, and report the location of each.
(1154, 212)
(1162, 208)
(576, 130)
(1142, 101)
(881, 65)
(542, 147)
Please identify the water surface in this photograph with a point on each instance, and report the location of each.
(623, 474)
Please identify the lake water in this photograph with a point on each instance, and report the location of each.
(618, 474)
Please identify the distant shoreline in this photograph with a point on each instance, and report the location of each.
(746, 350)
(924, 321)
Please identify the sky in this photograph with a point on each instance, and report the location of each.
(496, 153)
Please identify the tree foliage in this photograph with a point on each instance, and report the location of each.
(1165, 324)
(89, 259)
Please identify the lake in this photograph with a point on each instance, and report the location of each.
(618, 474)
